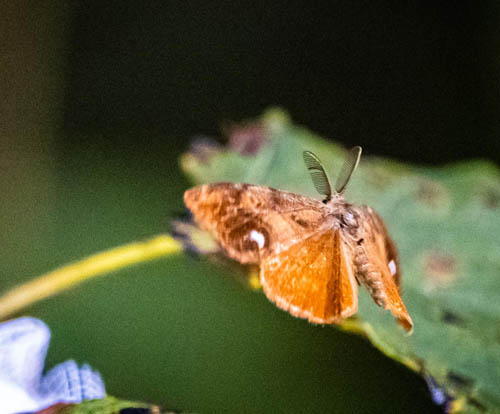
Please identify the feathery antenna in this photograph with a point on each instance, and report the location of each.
(318, 174)
(320, 178)
(348, 168)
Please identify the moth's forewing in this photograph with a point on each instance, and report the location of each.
(383, 278)
(312, 279)
(385, 243)
(251, 222)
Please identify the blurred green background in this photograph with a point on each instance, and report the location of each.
(99, 99)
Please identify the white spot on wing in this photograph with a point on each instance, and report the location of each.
(392, 267)
(258, 238)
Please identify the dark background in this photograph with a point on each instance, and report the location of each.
(416, 80)
(99, 99)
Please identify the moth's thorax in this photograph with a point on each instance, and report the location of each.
(348, 217)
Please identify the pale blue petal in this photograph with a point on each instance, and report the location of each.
(23, 347)
(68, 383)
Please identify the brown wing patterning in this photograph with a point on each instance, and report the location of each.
(378, 270)
(387, 247)
(250, 221)
(312, 279)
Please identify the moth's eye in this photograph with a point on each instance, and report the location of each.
(349, 219)
(392, 267)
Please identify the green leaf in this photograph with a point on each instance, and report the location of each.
(446, 224)
(108, 405)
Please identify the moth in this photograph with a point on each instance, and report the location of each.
(312, 254)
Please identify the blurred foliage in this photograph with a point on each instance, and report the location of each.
(108, 405)
(181, 331)
(446, 224)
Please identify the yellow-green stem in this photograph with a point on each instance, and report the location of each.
(63, 278)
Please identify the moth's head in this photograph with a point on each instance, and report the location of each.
(320, 177)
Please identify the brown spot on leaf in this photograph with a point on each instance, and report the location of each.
(491, 197)
(460, 381)
(452, 318)
(477, 404)
(202, 148)
(432, 194)
(440, 269)
(247, 139)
